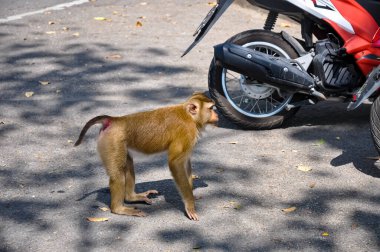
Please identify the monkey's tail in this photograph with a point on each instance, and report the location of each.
(95, 120)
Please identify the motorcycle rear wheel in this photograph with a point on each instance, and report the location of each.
(375, 123)
(244, 101)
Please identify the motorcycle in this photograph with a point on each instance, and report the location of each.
(260, 78)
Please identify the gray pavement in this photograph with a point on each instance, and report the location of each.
(246, 178)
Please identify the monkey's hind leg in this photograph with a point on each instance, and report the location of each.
(130, 194)
(114, 160)
(117, 199)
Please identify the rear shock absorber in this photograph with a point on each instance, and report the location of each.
(270, 21)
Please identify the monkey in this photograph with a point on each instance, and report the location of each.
(174, 129)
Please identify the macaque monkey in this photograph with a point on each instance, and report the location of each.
(174, 128)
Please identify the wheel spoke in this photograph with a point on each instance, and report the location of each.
(234, 77)
(247, 106)
(241, 100)
(254, 105)
(258, 106)
(275, 100)
(234, 98)
(231, 80)
(273, 103)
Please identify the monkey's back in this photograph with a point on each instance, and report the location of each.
(154, 131)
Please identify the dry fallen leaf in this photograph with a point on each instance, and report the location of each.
(212, 4)
(76, 34)
(142, 17)
(139, 24)
(70, 141)
(286, 25)
(312, 184)
(44, 82)
(354, 225)
(195, 176)
(233, 142)
(100, 18)
(289, 210)
(29, 94)
(233, 204)
(50, 32)
(304, 168)
(237, 206)
(97, 219)
(104, 209)
(51, 22)
(325, 234)
(65, 28)
(114, 57)
(320, 142)
(219, 170)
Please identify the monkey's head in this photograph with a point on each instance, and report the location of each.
(201, 109)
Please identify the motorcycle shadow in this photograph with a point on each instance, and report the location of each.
(332, 112)
(367, 165)
(331, 121)
(342, 129)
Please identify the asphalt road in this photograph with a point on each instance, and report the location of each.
(16, 9)
(246, 178)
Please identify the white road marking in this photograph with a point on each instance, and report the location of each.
(56, 7)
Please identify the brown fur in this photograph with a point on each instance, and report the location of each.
(175, 129)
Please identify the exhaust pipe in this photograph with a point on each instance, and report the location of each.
(278, 72)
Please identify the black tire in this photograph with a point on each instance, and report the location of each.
(224, 105)
(375, 123)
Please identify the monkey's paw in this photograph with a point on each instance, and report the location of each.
(142, 197)
(192, 214)
(128, 211)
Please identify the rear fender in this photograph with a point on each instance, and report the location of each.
(211, 18)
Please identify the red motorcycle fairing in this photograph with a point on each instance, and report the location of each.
(363, 43)
(353, 22)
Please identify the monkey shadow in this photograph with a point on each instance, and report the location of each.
(165, 188)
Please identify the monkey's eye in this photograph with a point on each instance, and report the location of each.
(213, 107)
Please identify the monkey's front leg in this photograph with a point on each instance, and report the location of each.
(189, 173)
(130, 194)
(178, 169)
(190, 177)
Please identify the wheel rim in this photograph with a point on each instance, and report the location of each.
(250, 97)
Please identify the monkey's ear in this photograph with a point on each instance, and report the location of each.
(192, 108)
